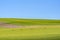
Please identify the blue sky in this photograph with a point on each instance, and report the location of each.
(49, 9)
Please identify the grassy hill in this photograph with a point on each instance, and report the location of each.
(18, 21)
(49, 31)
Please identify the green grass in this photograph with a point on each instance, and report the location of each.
(17, 21)
(30, 34)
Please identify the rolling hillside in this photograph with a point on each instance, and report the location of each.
(18, 21)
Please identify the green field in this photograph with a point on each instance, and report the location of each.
(30, 34)
(49, 32)
(18, 21)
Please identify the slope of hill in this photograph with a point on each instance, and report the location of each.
(17, 21)
(29, 29)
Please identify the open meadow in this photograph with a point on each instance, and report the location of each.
(29, 29)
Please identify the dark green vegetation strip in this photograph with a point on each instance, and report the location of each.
(30, 21)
